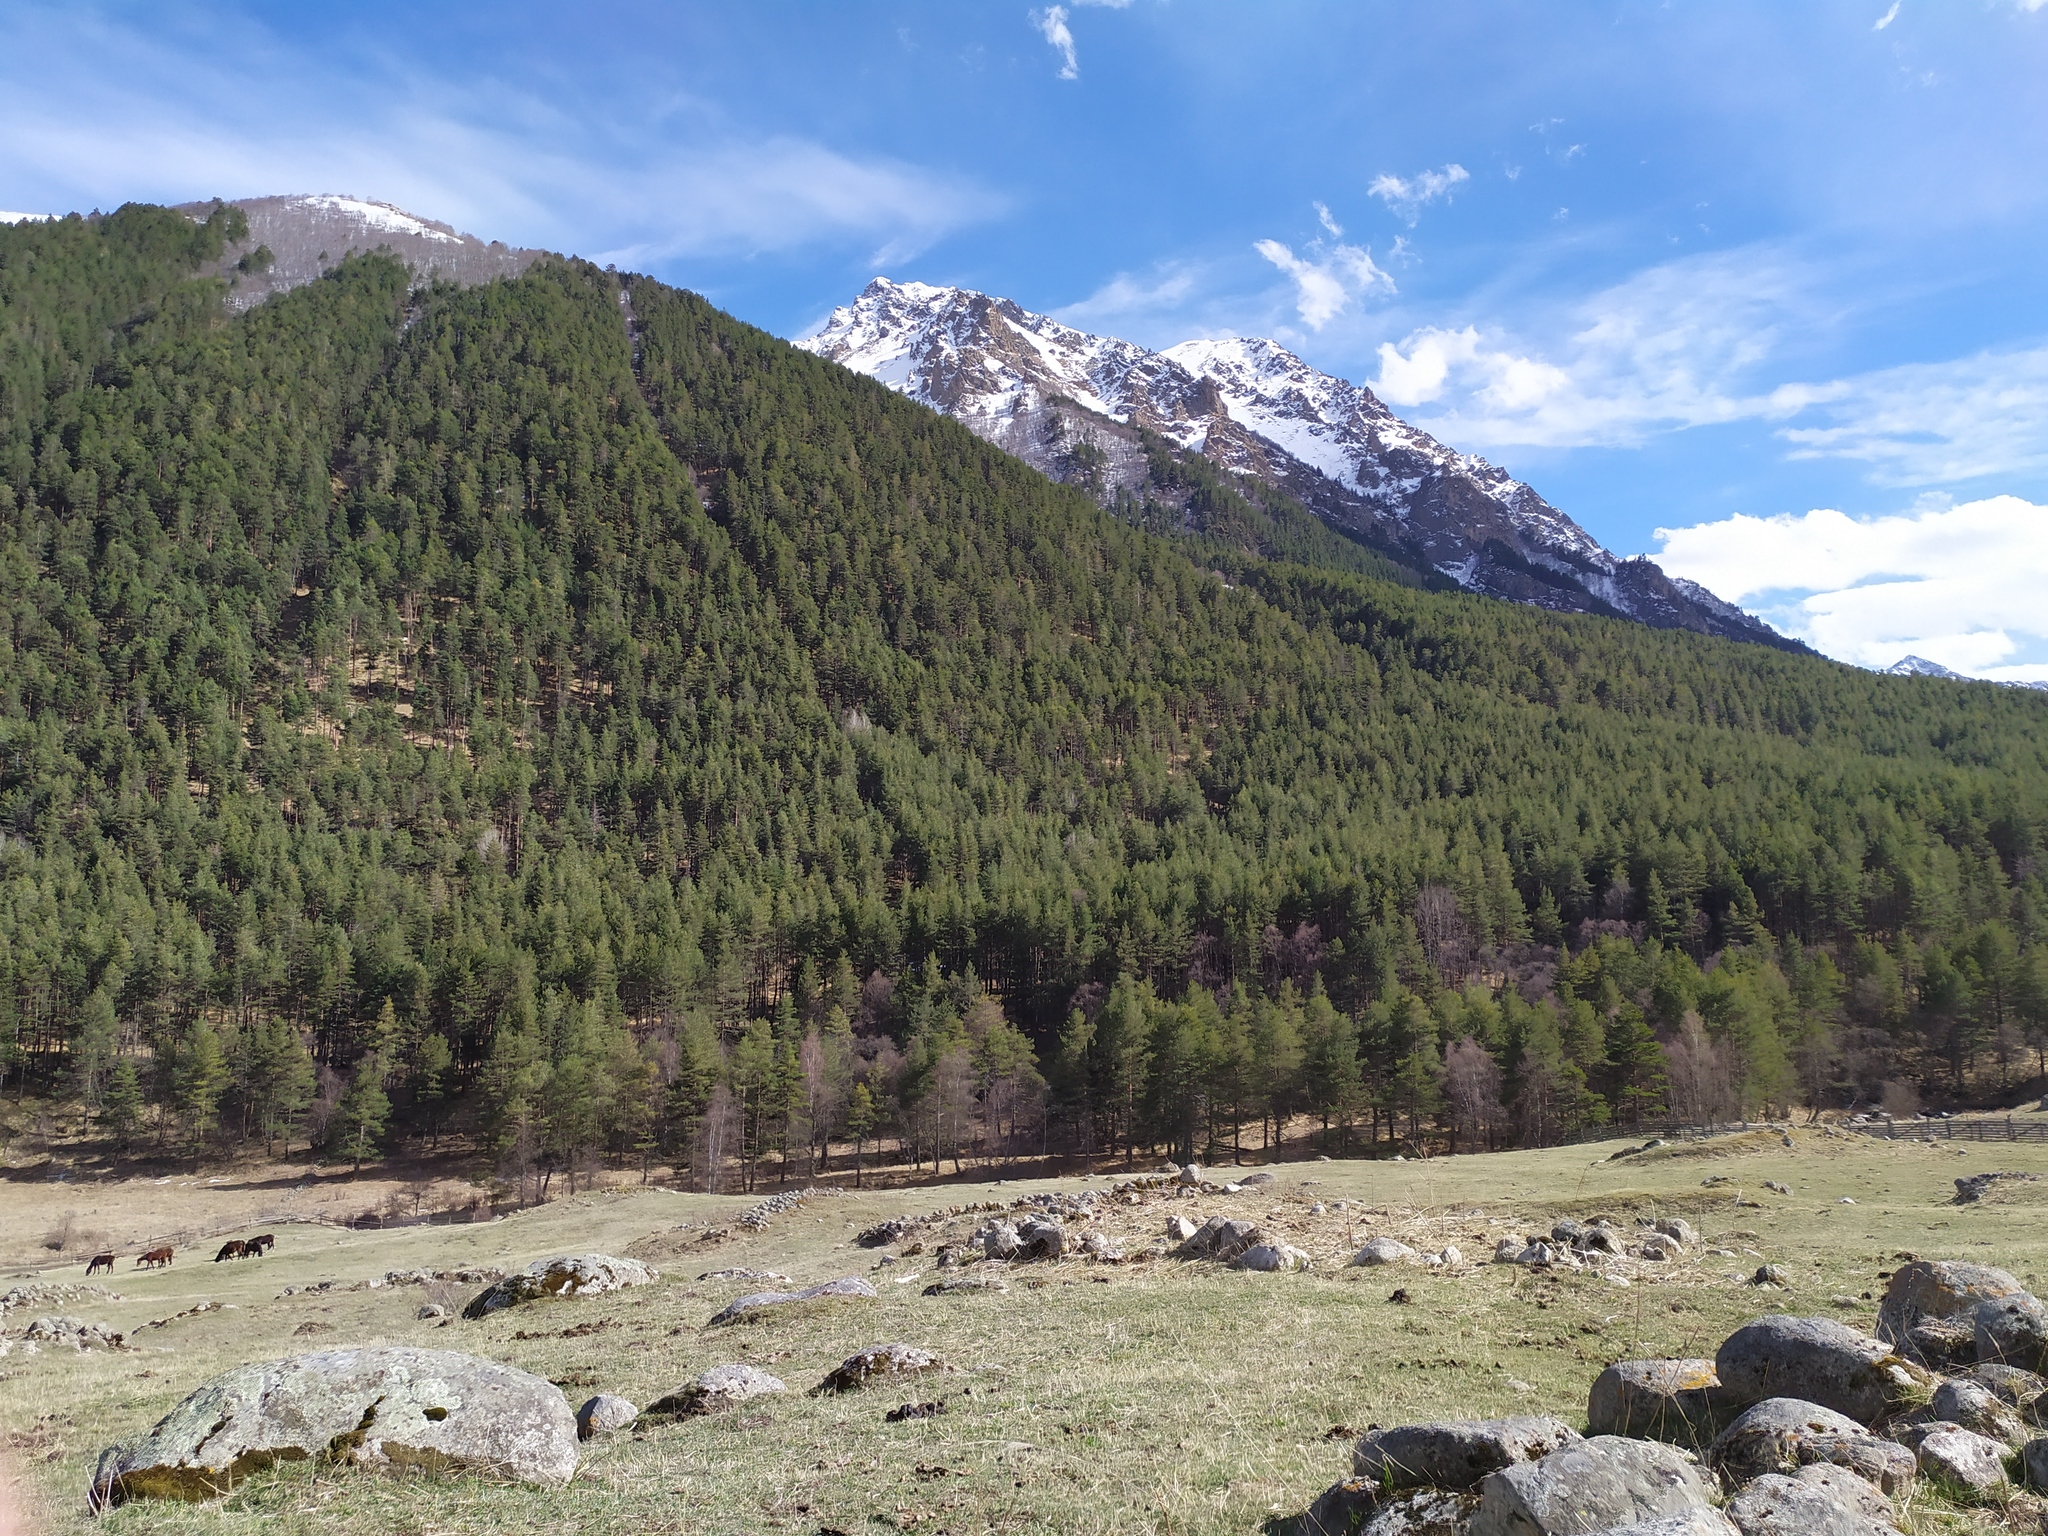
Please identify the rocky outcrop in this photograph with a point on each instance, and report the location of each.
(758, 1304)
(565, 1275)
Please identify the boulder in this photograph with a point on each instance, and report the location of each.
(1938, 1292)
(1508, 1251)
(1688, 1522)
(568, 1274)
(1448, 1254)
(2034, 1462)
(1772, 1275)
(603, 1413)
(2012, 1330)
(1661, 1245)
(1045, 1239)
(1384, 1250)
(1360, 1507)
(998, 1240)
(1783, 1434)
(878, 1362)
(1601, 1240)
(1972, 1405)
(1823, 1361)
(1567, 1231)
(720, 1388)
(1455, 1454)
(1963, 1460)
(428, 1410)
(1179, 1229)
(1595, 1485)
(1656, 1400)
(2015, 1388)
(1271, 1258)
(1219, 1238)
(1190, 1177)
(757, 1304)
(1097, 1246)
(1775, 1505)
(1678, 1229)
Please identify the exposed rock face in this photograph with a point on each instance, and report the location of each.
(422, 1409)
(1599, 1484)
(720, 1388)
(1656, 1399)
(1075, 406)
(569, 1274)
(758, 1303)
(1937, 1292)
(1455, 1454)
(1783, 1434)
(1819, 1360)
(879, 1362)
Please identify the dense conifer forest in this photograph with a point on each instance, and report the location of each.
(556, 715)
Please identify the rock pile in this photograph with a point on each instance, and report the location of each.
(579, 1274)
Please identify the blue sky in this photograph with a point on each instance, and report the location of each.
(1699, 272)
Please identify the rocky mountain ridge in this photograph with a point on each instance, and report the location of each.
(1077, 406)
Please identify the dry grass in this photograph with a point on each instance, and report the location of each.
(1151, 1396)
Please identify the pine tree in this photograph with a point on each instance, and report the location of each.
(121, 1105)
(199, 1079)
(364, 1111)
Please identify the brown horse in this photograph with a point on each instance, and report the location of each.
(99, 1262)
(258, 1246)
(156, 1258)
(233, 1248)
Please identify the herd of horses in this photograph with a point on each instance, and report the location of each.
(160, 1258)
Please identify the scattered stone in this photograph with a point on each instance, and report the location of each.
(878, 1360)
(1191, 1176)
(1678, 1229)
(1600, 1484)
(1360, 1507)
(432, 1309)
(1776, 1188)
(998, 1240)
(71, 1333)
(1963, 1460)
(1270, 1258)
(603, 1413)
(1973, 1188)
(746, 1274)
(1384, 1250)
(883, 1233)
(579, 1274)
(1179, 1229)
(720, 1388)
(1508, 1251)
(1097, 1246)
(1976, 1407)
(1601, 1239)
(1555, 1255)
(911, 1411)
(2011, 1330)
(1256, 1178)
(1772, 1274)
(1220, 1238)
(1448, 1255)
(959, 1284)
(1656, 1400)
(1783, 1434)
(1455, 1454)
(1661, 1246)
(750, 1307)
(424, 1409)
(1041, 1240)
(1566, 1231)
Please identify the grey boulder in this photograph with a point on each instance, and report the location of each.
(1041, 1240)
(998, 1240)
(876, 1363)
(1600, 1484)
(1974, 1406)
(1655, 1399)
(603, 1413)
(2012, 1330)
(1271, 1258)
(1774, 1505)
(1219, 1238)
(1687, 1522)
(720, 1388)
(1679, 1228)
(1661, 1245)
(1821, 1361)
(757, 1304)
(568, 1274)
(1963, 1459)
(1455, 1454)
(2034, 1462)
(1937, 1291)
(1384, 1250)
(1783, 1434)
(423, 1409)
(1360, 1507)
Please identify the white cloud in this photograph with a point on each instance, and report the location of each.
(1933, 423)
(1499, 379)
(1409, 196)
(1322, 289)
(1888, 17)
(1960, 585)
(1052, 22)
(1129, 304)
(1328, 221)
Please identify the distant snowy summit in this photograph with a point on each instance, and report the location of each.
(1033, 386)
(308, 232)
(1920, 666)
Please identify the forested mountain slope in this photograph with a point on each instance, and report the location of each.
(557, 710)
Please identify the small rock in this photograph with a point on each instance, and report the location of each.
(604, 1412)
(1191, 1176)
(1783, 1434)
(1220, 1238)
(1678, 1229)
(2034, 1463)
(1962, 1458)
(431, 1310)
(1776, 1188)
(1772, 1274)
(1600, 1239)
(1384, 1250)
(1449, 1254)
(1657, 1400)
(1179, 1229)
(877, 1361)
(958, 1284)
(998, 1240)
(720, 1388)
(1270, 1258)
(1660, 1246)
(1045, 1239)
(1508, 1251)
(1097, 1246)
(910, 1411)
(1602, 1484)
(1360, 1507)
(1455, 1454)
(759, 1303)
(1976, 1407)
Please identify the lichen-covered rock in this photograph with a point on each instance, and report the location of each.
(1656, 1400)
(1820, 1361)
(720, 1388)
(2012, 1330)
(1100, 1247)
(422, 1409)
(1271, 1258)
(998, 1240)
(568, 1274)
(1384, 1250)
(876, 1363)
(1687, 1522)
(1963, 1460)
(2034, 1463)
(1783, 1434)
(603, 1413)
(1600, 1484)
(1775, 1505)
(1360, 1507)
(1941, 1293)
(758, 1304)
(1455, 1454)
(1975, 1406)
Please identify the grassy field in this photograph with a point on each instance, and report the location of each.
(1146, 1396)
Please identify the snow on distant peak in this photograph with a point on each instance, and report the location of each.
(377, 215)
(1920, 666)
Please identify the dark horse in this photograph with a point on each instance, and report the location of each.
(99, 1262)
(258, 1246)
(235, 1248)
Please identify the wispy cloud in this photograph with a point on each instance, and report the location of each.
(1933, 423)
(1408, 196)
(1960, 585)
(1125, 304)
(1323, 288)
(1888, 17)
(1052, 23)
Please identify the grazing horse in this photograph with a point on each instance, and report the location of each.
(234, 1248)
(99, 1262)
(156, 1258)
(258, 1246)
